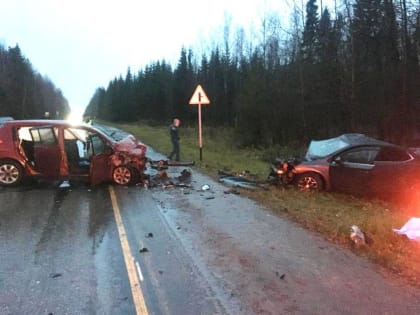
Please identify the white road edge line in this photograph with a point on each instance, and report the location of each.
(139, 271)
(138, 298)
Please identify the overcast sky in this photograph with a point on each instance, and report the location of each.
(83, 44)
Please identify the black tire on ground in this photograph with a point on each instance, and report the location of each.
(11, 173)
(309, 182)
(124, 175)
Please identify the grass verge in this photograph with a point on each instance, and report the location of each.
(329, 214)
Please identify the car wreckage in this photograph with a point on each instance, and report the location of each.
(352, 163)
(55, 149)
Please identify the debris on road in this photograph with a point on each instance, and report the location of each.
(64, 184)
(55, 275)
(232, 191)
(411, 229)
(143, 250)
(242, 180)
(205, 187)
(162, 179)
(357, 236)
(149, 235)
(280, 276)
(164, 164)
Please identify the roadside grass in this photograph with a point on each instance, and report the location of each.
(219, 152)
(329, 214)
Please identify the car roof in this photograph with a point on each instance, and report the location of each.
(354, 139)
(327, 147)
(4, 119)
(44, 122)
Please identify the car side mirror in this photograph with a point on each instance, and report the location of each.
(337, 160)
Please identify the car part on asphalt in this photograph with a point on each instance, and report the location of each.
(241, 180)
(164, 164)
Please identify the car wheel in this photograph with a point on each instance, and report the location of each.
(309, 182)
(11, 173)
(124, 175)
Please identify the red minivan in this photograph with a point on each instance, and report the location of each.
(56, 149)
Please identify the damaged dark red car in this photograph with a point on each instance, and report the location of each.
(54, 149)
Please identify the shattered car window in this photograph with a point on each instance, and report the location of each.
(114, 133)
(323, 148)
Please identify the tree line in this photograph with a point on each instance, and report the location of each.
(351, 68)
(24, 93)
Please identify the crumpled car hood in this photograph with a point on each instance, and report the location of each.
(131, 146)
(130, 152)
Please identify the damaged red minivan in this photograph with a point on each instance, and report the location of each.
(55, 149)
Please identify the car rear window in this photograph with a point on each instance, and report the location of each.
(392, 154)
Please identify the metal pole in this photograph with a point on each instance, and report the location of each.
(200, 138)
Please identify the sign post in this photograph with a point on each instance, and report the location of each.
(199, 98)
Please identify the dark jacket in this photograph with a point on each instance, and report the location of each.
(173, 130)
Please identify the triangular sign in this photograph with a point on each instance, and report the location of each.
(199, 97)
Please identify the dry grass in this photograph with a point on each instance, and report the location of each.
(328, 214)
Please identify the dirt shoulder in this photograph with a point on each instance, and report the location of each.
(270, 265)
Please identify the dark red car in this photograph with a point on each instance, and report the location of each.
(357, 164)
(56, 149)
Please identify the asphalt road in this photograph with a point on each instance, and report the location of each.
(61, 254)
(130, 250)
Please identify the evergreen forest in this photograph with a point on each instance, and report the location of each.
(350, 68)
(24, 93)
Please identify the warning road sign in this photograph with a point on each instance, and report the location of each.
(199, 97)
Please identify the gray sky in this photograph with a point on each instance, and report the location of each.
(83, 44)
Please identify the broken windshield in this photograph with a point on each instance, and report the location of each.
(114, 133)
(323, 148)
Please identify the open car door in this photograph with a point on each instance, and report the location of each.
(99, 152)
(47, 153)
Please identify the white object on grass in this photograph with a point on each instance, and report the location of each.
(411, 229)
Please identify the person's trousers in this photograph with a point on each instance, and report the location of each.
(175, 151)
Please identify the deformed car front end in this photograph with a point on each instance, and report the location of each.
(128, 161)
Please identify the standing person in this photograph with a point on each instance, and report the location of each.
(173, 131)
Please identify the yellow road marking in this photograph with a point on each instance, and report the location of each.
(138, 297)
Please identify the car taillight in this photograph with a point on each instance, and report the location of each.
(1, 141)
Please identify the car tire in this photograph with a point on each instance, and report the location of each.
(124, 175)
(11, 173)
(309, 182)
